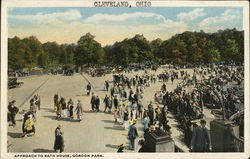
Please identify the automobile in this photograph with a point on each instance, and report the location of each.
(98, 72)
(118, 70)
(154, 67)
(12, 83)
(68, 71)
(108, 70)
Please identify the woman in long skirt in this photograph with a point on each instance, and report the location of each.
(29, 126)
(133, 111)
(59, 141)
(70, 108)
(120, 113)
(126, 118)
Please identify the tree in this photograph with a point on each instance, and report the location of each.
(42, 60)
(63, 59)
(232, 50)
(88, 51)
(17, 51)
(52, 49)
(187, 47)
(155, 47)
(36, 49)
(210, 52)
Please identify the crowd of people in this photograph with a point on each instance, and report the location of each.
(213, 87)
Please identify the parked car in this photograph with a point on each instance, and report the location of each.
(12, 83)
(98, 72)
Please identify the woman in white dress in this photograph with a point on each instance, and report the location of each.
(133, 110)
(121, 113)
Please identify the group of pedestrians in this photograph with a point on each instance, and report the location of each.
(124, 99)
(66, 110)
(187, 104)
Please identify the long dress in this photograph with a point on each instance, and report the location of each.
(120, 115)
(133, 111)
(126, 119)
(29, 126)
(59, 141)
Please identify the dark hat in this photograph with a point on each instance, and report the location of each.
(141, 142)
(203, 121)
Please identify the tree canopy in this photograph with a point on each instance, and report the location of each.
(187, 47)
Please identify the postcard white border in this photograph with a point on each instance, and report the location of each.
(77, 3)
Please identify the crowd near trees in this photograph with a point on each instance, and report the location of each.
(188, 47)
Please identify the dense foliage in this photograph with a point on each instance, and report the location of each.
(188, 47)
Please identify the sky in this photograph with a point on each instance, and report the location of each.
(108, 25)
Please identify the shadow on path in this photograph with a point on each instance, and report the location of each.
(120, 128)
(48, 110)
(43, 150)
(91, 111)
(60, 119)
(116, 146)
(112, 146)
(15, 135)
(109, 121)
(80, 95)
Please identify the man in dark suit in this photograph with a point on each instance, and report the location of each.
(92, 101)
(132, 134)
(88, 88)
(13, 110)
(97, 103)
(200, 140)
(151, 113)
(116, 102)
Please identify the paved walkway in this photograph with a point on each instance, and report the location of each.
(96, 133)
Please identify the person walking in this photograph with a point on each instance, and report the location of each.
(29, 126)
(13, 110)
(92, 101)
(33, 105)
(116, 102)
(37, 101)
(133, 110)
(140, 109)
(59, 140)
(107, 85)
(121, 109)
(132, 135)
(200, 139)
(88, 89)
(151, 114)
(97, 103)
(64, 109)
(56, 101)
(79, 110)
(70, 108)
(59, 107)
(145, 122)
(126, 118)
(106, 102)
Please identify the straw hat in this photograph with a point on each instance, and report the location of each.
(121, 145)
(134, 121)
(152, 128)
